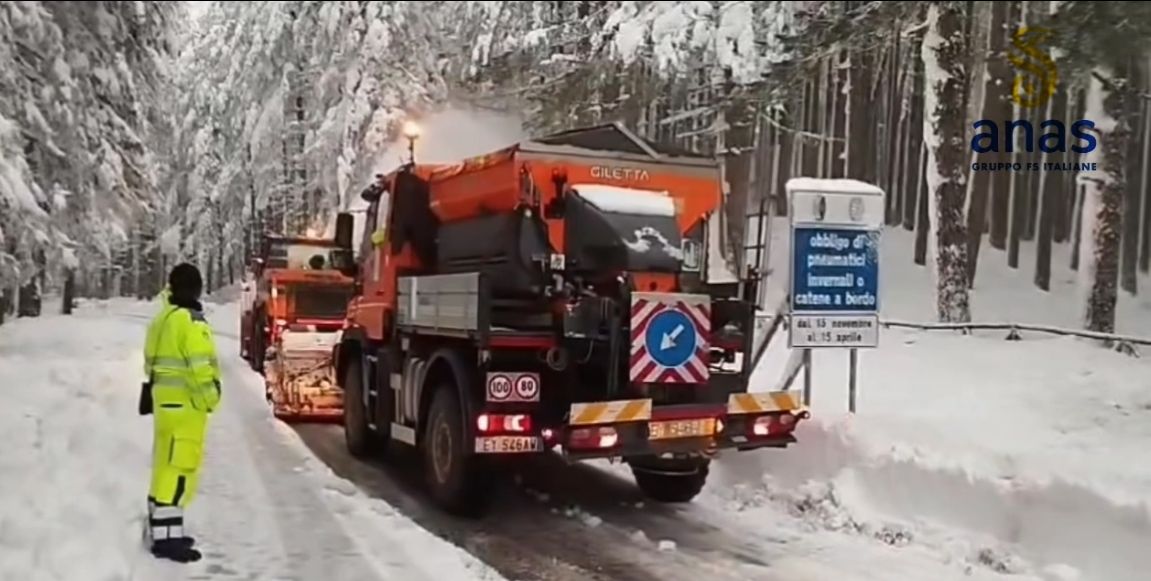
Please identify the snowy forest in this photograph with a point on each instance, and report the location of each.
(133, 136)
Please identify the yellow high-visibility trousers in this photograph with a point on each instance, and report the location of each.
(177, 453)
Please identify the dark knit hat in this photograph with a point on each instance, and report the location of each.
(186, 282)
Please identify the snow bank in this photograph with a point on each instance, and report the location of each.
(1006, 457)
(73, 476)
(620, 200)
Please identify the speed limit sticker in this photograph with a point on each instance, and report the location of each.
(513, 387)
(528, 387)
(499, 387)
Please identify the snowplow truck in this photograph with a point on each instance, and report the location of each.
(551, 296)
(294, 304)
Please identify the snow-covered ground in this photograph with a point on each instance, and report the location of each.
(74, 473)
(970, 453)
(970, 457)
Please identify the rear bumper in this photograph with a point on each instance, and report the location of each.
(748, 421)
(684, 448)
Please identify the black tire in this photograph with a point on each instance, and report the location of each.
(359, 438)
(258, 347)
(455, 477)
(671, 487)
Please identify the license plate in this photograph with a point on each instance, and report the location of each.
(508, 444)
(681, 429)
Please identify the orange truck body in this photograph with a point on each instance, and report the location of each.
(557, 292)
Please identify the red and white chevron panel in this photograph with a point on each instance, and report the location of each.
(645, 307)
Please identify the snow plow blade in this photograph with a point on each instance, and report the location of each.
(302, 389)
(301, 382)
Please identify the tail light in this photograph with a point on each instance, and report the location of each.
(604, 437)
(514, 423)
(763, 426)
(776, 424)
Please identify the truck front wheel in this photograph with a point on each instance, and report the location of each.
(454, 476)
(357, 435)
(671, 486)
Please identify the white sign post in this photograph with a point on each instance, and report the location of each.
(834, 301)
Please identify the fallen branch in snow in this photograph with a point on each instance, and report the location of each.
(1122, 342)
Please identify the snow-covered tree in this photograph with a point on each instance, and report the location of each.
(78, 104)
(1097, 39)
(288, 108)
(944, 132)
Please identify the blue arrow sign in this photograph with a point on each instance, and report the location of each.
(671, 338)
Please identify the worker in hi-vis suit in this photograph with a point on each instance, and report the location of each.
(184, 388)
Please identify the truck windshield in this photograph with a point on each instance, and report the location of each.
(319, 301)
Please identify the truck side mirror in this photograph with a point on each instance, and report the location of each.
(344, 224)
(343, 261)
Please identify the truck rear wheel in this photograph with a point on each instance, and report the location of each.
(359, 438)
(669, 486)
(454, 476)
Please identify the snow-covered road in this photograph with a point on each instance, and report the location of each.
(73, 475)
(1045, 485)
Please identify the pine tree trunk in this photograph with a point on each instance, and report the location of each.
(1001, 181)
(944, 125)
(837, 115)
(739, 113)
(787, 142)
(69, 301)
(1129, 254)
(993, 99)
(922, 210)
(913, 170)
(893, 82)
(860, 148)
(1080, 195)
(1103, 202)
(1145, 178)
(809, 147)
(1063, 187)
(1049, 204)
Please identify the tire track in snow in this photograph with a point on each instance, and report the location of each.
(252, 479)
(591, 525)
(528, 539)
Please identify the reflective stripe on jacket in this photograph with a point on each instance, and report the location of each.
(180, 359)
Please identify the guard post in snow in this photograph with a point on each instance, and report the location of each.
(834, 291)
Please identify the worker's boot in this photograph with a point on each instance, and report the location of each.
(178, 550)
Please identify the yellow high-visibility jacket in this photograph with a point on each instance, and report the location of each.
(180, 359)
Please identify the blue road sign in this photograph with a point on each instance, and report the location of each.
(670, 338)
(834, 270)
